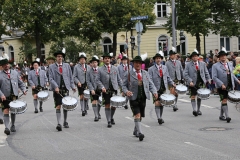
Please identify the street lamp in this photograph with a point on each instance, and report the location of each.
(182, 39)
(132, 43)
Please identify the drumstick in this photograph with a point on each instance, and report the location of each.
(22, 94)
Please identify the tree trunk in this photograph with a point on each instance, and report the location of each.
(38, 40)
(114, 43)
(198, 43)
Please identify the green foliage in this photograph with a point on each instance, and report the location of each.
(73, 47)
(26, 52)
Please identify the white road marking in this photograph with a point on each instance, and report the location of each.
(203, 105)
(141, 123)
(207, 149)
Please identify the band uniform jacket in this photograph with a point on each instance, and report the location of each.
(219, 75)
(55, 76)
(5, 88)
(25, 70)
(175, 71)
(131, 84)
(122, 71)
(91, 79)
(190, 72)
(33, 78)
(79, 73)
(156, 79)
(103, 78)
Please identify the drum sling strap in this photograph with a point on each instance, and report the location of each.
(162, 86)
(141, 93)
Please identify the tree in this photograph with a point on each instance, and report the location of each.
(26, 51)
(2, 25)
(200, 17)
(39, 19)
(111, 16)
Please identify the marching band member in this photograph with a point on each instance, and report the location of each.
(197, 76)
(93, 88)
(24, 72)
(60, 77)
(10, 83)
(159, 75)
(175, 70)
(109, 81)
(138, 88)
(122, 69)
(37, 79)
(79, 76)
(222, 73)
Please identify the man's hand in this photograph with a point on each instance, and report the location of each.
(104, 90)
(74, 90)
(155, 95)
(129, 94)
(57, 90)
(93, 92)
(174, 85)
(33, 87)
(79, 84)
(223, 87)
(25, 92)
(191, 84)
(3, 98)
(47, 84)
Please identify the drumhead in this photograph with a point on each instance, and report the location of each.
(100, 98)
(17, 104)
(42, 94)
(168, 97)
(203, 91)
(181, 87)
(118, 99)
(234, 94)
(69, 100)
(86, 91)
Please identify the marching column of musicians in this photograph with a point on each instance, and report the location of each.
(103, 83)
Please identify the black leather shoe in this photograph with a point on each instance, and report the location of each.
(59, 127)
(1, 121)
(228, 119)
(7, 131)
(199, 113)
(222, 118)
(12, 129)
(141, 137)
(195, 113)
(36, 111)
(175, 109)
(65, 125)
(160, 121)
(109, 125)
(112, 121)
(99, 116)
(83, 113)
(95, 119)
(126, 107)
(41, 110)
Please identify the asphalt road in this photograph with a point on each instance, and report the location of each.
(181, 137)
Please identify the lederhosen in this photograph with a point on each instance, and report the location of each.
(84, 85)
(224, 93)
(109, 93)
(62, 90)
(97, 91)
(138, 105)
(199, 84)
(38, 87)
(10, 98)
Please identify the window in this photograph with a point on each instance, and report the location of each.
(161, 9)
(42, 58)
(11, 53)
(1, 49)
(225, 42)
(163, 44)
(107, 45)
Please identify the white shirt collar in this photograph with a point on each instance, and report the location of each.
(59, 64)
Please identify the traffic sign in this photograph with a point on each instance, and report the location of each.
(139, 27)
(139, 18)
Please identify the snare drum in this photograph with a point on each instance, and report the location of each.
(167, 100)
(118, 101)
(86, 93)
(43, 96)
(18, 107)
(234, 97)
(181, 89)
(69, 103)
(203, 93)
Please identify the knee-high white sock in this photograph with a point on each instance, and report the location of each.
(58, 114)
(6, 120)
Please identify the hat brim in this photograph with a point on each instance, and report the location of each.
(3, 62)
(157, 56)
(137, 61)
(124, 59)
(94, 60)
(35, 62)
(55, 54)
(107, 56)
(222, 54)
(82, 57)
(194, 55)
